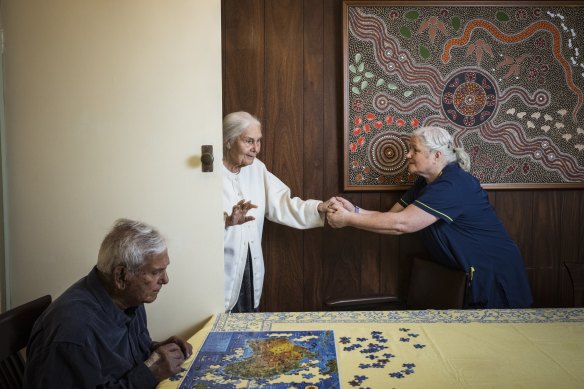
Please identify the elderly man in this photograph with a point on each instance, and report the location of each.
(94, 335)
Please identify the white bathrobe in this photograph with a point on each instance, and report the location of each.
(256, 184)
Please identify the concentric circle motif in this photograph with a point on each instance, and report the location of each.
(381, 102)
(469, 99)
(387, 154)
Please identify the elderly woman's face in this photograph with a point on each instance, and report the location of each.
(420, 159)
(246, 147)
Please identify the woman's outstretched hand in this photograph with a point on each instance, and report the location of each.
(239, 214)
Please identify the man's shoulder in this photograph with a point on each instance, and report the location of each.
(72, 316)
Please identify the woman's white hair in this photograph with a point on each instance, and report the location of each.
(438, 139)
(128, 244)
(234, 124)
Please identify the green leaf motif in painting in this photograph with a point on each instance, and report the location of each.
(357, 57)
(356, 79)
(405, 32)
(356, 90)
(424, 52)
(502, 16)
(379, 82)
(352, 68)
(412, 15)
(456, 23)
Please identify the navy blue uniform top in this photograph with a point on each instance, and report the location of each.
(468, 234)
(83, 340)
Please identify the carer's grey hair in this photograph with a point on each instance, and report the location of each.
(129, 243)
(234, 124)
(438, 139)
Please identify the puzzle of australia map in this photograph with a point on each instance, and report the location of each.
(265, 359)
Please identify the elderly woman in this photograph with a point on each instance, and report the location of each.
(458, 225)
(250, 194)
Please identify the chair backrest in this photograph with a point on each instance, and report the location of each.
(433, 286)
(576, 273)
(15, 327)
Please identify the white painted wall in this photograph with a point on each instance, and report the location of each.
(107, 105)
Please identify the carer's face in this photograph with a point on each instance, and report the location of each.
(419, 158)
(143, 285)
(246, 147)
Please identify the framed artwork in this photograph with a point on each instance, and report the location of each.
(505, 79)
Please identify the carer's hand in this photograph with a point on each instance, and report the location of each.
(345, 203)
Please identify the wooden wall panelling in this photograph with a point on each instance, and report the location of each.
(390, 266)
(571, 240)
(341, 262)
(545, 243)
(283, 147)
(493, 198)
(243, 56)
(515, 208)
(314, 143)
(370, 251)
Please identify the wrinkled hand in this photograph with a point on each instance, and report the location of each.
(345, 203)
(336, 214)
(239, 213)
(186, 348)
(323, 207)
(165, 361)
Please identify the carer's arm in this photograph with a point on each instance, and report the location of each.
(397, 221)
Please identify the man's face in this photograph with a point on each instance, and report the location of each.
(143, 285)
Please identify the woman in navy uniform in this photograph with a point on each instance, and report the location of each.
(458, 225)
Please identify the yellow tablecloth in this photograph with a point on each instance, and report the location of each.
(533, 348)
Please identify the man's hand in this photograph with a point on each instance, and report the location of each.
(168, 356)
(185, 347)
(165, 361)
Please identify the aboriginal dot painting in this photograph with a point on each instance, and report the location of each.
(506, 81)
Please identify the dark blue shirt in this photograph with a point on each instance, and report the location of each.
(83, 340)
(468, 234)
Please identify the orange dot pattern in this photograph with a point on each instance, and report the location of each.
(520, 36)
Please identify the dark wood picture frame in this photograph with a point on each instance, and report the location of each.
(506, 79)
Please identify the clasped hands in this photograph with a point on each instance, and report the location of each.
(337, 208)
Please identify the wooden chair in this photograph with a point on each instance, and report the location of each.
(432, 286)
(576, 273)
(15, 327)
